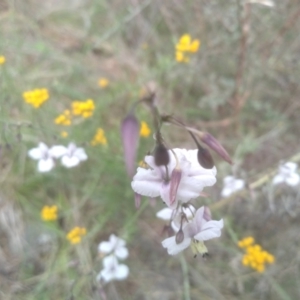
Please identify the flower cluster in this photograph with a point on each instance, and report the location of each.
(231, 185)
(177, 176)
(83, 108)
(49, 213)
(184, 47)
(287, 175)
(76, 234)
(177, 182)
(99, 138)
(255, 257)
(64, 118)
(70, 156)
(115, 249)
(36, 97)
(145, 131)
(2, 59)
(103, 82)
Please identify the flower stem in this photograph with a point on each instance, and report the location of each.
(185, 274)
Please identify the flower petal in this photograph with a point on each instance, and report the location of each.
(278, 179)
(105, 247)
(293, 179)
(174, 248)
(80, 153)
(121, 272)
(70, 162)
(210, 230)
(58, 151)
(121, 252)
(165, 214)
(146, 183)
(45, 165)
(35, 153)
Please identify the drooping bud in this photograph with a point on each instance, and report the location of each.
(161, 155)
(179, 237)
(130, 136)
(174, 183)
(214, 144)
(204, 158)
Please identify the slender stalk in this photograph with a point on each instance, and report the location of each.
(185, 274)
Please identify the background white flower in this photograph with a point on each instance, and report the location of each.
(231, 185)
(155, 182)
(287, 174)
(44, 156)
(115, 245)
(199, 229)
(113, 270)
(70, 156)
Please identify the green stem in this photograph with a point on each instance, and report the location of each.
(185, 274)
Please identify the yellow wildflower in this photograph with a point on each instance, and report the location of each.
(103, 82)
(2, 59)
(145, 130)
(36, 97)
(99, 138)
(184, 46)
(64, 134)
(75, 235)
(64, 118)
(83, 108)
(49, 213)
(255, 257)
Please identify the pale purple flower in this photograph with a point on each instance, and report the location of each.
(156, 181)
(231, 185)
(44, 156)
(115, 246)
(200, 229)
(287, 174)
(71, 156)
(112, 270)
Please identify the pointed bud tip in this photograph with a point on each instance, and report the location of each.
(205, 159)
(179, 237)
(161, 155)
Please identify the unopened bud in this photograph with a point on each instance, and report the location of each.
(214, 144)
(174, 183)
(204, 158)
(130, 136)
(161, 155)
(179, 237)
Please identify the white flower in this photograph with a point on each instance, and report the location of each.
(70, 156)
(287, 174)
(43, 154)
(231, 185)
(156, 181)
(113, 270)
(200, 229)
(115, 245)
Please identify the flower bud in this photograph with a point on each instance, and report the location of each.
(204, 158)
(161, 155)
(179, 236)
(174, 183)
(214, 144)
(130, 136)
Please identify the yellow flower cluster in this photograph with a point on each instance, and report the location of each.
(49, 213)
(255, 257)
(2, 59)
(64, 118)
(83, 108)
(36, 97)
(103, 82)
(185, 46)
(99, 138)
(145, 130)
(75, 235)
